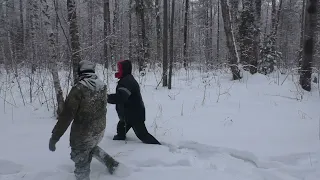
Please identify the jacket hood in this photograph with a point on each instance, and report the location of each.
(124, 69)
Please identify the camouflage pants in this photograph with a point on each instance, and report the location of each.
(83, 158)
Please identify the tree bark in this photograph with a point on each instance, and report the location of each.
(248, 32)
(53, 55)
(185, 36)
(106, 32)
(165, 44)
(158, 31)
(75, 40)
(233, 59)
(309, 42)
(171, 45)
(90, 27)
(142, 36)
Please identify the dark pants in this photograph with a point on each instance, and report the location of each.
(83, 158)
(139, 129)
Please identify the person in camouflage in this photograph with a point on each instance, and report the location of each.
(86, 106)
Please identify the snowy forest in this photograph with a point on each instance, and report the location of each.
(259, 35)
(219, 89)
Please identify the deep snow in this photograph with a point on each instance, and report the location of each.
(256, 129)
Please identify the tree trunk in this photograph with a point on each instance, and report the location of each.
(171, 45)
(158, 31)
(142, 36)
(115, 28)
(20, 47)
(309, 42)
(34, 32)
(130, 29)
(75, 40)
(218, 33)
(53, 55)
(165, 44)
(90, 28)
(185, 36)
(230, 40)
(106, 32)
(248, 37)
(302, 33)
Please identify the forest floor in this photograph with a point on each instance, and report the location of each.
(259, 128)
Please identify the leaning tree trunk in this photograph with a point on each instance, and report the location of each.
(233, 59)
(74, 34)
(309, 42)
(53, 55)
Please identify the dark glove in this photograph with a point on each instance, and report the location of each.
(52, 144)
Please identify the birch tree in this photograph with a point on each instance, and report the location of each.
(75, 40)
(46, 11)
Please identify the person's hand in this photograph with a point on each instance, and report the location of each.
(52, 145)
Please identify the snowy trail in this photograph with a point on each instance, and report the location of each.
(187, 159)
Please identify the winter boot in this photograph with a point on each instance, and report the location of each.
(105, 159)
(119, 138)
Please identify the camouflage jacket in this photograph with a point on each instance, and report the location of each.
(87, 109)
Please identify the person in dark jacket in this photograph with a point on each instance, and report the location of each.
(129, 105)
(85, 105)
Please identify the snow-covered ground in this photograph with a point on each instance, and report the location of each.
(259, 128)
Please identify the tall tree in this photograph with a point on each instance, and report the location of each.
(142, 35)
(106, 32)
(130, 29)
(75, 40)
(165, 44)
(34, 22)
(185, 35)
(158, 30)
(309, 42)
(46, 10)
(90, 26)
(233, 59)
(171, 44)
(115, 29)
(248, 40)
